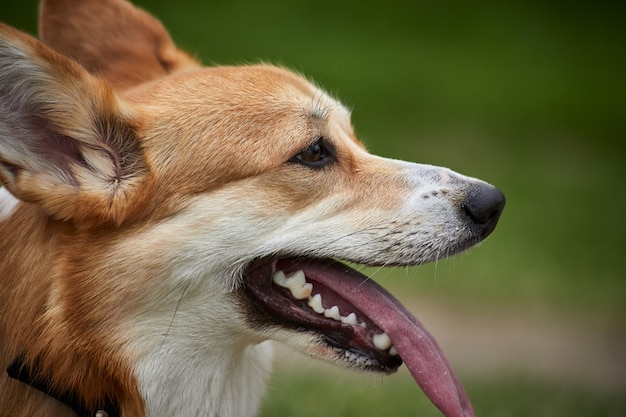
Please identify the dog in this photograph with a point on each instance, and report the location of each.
(161, 221)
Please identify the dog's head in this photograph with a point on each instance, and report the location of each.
(195, 185)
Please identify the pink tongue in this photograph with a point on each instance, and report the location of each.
(417, 348)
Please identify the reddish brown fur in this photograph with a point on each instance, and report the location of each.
(27, 302)
(126, 45)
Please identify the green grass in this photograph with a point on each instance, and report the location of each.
(312, 394)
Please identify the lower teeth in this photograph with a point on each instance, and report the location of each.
(382, 341)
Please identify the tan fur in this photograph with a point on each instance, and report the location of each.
(156, 150)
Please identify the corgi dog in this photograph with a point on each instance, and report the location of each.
(161, 221)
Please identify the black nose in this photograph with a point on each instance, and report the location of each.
(483, 206)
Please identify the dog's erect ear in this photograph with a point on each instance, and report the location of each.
(67, 142)
(111, 38)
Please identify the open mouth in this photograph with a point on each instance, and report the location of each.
(360, 321)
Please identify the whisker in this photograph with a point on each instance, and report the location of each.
(169, 328)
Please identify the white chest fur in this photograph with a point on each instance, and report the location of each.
(229, 384)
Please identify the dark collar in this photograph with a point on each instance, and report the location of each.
(19, 370)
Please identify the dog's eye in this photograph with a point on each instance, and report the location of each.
(316, 155)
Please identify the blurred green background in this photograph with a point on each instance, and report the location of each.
(530, 96)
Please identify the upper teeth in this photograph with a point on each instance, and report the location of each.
(300, 290)
(295, 283)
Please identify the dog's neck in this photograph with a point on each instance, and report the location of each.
(194, 355)
(231, 384)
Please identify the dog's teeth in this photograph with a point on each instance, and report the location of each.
(302, 292)
(350, 319)
(279, 278)
(393, 351)
(315, 303)
(300, 289)
(382, 341)
(295, 283)
(297, 279)
(332, 313)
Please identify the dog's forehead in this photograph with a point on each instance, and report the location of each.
(322, 110)
(277, 88)
(251, 102)
(247, 90)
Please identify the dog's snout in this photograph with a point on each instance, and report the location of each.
(483, 206)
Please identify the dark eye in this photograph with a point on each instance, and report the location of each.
(316, 155)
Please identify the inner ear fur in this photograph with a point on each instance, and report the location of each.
(67, 142)
(111, 38)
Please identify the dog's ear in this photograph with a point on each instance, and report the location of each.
(111, 38)
(67, 142)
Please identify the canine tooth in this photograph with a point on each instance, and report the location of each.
(315, 303)
(332, 313)
(382, 341)
(350, 319)
(393, 351)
